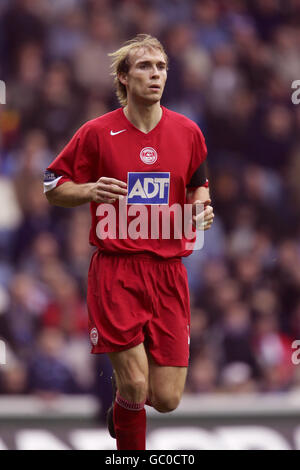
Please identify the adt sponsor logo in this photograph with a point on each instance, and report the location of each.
(148, 188)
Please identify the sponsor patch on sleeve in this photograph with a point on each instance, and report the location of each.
(49, 176)
(50, 180)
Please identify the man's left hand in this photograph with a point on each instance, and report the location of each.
(203, 220)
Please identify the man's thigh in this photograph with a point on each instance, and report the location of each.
(166, 385)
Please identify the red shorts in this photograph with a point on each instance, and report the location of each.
(135, 299)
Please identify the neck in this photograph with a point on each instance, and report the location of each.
(145, 118)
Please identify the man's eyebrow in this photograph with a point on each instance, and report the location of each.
(141, 62)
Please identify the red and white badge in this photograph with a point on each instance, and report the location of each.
(148, 155)
(94, 336)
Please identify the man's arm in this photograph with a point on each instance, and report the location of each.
(70, 194)
(198, 194)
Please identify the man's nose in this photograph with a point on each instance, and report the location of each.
(154, 72)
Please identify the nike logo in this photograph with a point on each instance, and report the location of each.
(118, 132)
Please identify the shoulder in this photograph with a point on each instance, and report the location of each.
(95, 126)
(179, 120)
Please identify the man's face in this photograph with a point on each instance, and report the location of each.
(147, 74)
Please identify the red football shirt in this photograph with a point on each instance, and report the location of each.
(156, 166)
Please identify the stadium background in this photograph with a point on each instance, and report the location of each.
(232, 64)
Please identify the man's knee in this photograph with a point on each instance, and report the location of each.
(165, 403)
(134, 388)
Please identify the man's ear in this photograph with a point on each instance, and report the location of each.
(123, 78)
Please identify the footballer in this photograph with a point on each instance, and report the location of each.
(138, 299)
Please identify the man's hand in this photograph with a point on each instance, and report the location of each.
(107, 190)
(204, 220)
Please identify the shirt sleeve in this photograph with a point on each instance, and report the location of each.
(76, 162)
(197, 174)
(199, 178)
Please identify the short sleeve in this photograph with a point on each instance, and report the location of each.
(199, 178)
(76, 162)
(198, 156)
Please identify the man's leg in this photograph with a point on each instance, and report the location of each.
(131, 372)
(166, 385)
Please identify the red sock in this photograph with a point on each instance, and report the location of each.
(130, 424)
(148, 402)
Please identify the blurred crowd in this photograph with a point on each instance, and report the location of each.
(232, 64)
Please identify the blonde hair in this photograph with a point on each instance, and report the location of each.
(121, 63)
